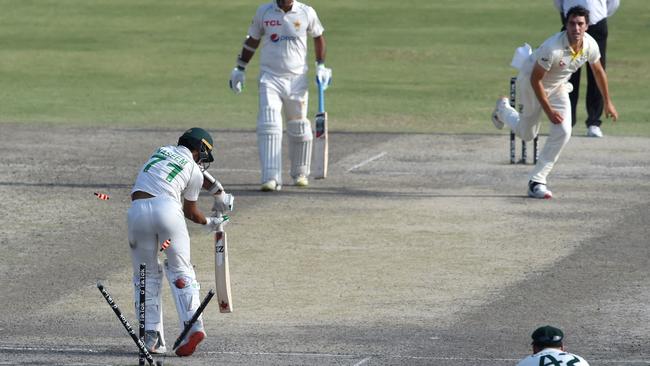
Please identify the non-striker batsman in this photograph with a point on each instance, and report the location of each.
(282, 27)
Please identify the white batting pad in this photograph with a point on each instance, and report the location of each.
(185, 291)
(300, 139)
(269, 143)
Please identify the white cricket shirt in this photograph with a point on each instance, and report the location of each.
(598, 9)
(556, 56)
(170, 171)
(284, 37)
(553, 356)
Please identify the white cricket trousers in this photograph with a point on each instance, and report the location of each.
(278, 96)
(150, 222)
(525, 123)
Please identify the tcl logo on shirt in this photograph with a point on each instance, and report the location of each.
(272, 23)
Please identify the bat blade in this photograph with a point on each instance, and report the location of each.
(222, 272)
(321, 154)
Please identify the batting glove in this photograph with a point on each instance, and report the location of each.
(237, 78)
(323, 76)
(223, 202)
(214, 223)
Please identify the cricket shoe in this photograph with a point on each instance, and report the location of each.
(270, 186)
(190, 346)
(594, 131)
(539, 190)
(501, 103)
(301, 181)
(153, 342)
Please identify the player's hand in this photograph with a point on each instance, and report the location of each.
(610, 111)
(223, 202)
(237, 78)
(214, 223)
(555, 117)
(323, 76)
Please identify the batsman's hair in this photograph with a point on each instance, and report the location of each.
(578, 11)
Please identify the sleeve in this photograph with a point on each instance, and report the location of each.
(544, 56)
(612, 6)
(191, 192)
(315, 28)
(256, 30)
(594, 52)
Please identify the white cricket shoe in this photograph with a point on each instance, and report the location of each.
(502, 102)
(594, 131)
(270, 186)
(153, 342)
(301, 181)
(539, 190)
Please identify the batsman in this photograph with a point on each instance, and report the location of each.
(165, 193)
(282, 28)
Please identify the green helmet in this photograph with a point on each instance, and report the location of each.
(200, 140)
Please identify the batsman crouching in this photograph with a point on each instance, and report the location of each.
(165, 193)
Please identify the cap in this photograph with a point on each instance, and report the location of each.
(547, 336)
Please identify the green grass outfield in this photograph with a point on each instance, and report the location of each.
(411, 65)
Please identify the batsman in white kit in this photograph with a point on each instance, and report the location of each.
(542, 85)
(282, 28)
(165, 193)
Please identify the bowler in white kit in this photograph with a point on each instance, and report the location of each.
(283, 27)
(542, 86)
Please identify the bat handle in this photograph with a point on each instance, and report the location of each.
(321, 98)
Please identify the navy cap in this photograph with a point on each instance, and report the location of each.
(547, 336)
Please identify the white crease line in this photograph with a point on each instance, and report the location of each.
(362, 362)
(378, 156)
(50, 349)
(282, 354)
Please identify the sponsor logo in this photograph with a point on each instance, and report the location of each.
(562, 64)
(277, 38)
(272, 23)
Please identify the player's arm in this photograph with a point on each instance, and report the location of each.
(320, 49)
(601, 80)
(536, 82)
(248, 50)
(238, 76)
(192, 212)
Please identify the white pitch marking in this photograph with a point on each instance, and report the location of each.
(378, 156)
(362, 362)
(49, 349)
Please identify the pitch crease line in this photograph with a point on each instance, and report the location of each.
(378, 156)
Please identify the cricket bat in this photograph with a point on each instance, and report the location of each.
(222, 272)
(319, 164)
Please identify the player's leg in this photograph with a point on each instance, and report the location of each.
(144, 249)
(180, 273)
(524, 121)
(299, 130)
(559, 135)
(594, 99)
(269, 133)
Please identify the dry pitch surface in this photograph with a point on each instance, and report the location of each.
(417, 250)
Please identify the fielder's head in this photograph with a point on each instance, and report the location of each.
(547, 337)
(284, 4)
(198, 140)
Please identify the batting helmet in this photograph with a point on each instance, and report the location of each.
(199, 140)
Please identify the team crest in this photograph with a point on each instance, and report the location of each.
(296, 25)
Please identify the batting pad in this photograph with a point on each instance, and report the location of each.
(300, 139)
(185, 291)
(269, 143)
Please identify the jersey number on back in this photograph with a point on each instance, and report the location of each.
(552, 361)
(157, 158)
